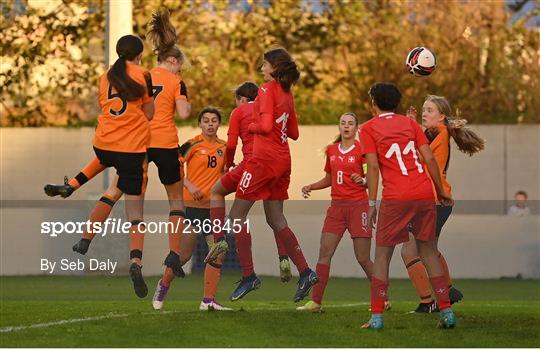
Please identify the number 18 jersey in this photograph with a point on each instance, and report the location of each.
(395, 139)
(341, 164)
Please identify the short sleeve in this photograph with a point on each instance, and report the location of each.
(327, 167)
(182, 91)
(419, 137)
(367, 143)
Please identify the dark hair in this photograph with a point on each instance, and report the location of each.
(467, 140)
(128, 47)
(385, 95)
(247, 89)
(520, 192)
(352, 114)
(212, 110)
(285, 70)
(162, 36)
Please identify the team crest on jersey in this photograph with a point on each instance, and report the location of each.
(203, 151)
(351, 159)
(220, 152)
(332, 158)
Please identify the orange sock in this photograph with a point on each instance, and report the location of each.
(136, 243)
(446, 270)
(90, 170)
(419, 278)
(212, 275)
(100, 213)
(176, 218)
(167, 278)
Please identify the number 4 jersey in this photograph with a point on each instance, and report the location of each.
(274, 122)
(395, 139)
(341, 164)
(122, 125)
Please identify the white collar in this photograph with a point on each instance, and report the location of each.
(386, 114)
(347, 150)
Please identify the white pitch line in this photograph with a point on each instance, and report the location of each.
(57, 323)
(164, 312)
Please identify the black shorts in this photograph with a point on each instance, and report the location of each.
(443, 213)
(199, 219)
(166, 160)
(129, 167)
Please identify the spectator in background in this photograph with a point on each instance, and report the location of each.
(520, 208)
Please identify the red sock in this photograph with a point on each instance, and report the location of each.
(243, 248)
(323, 271)
(379, 294)
(282, 251)
(440, 287)
(218, 213)
(293, 249)
(446, 270)
(100, 213)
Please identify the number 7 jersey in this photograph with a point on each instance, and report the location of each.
(395, 139)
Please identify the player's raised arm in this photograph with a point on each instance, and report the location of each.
(183, 107)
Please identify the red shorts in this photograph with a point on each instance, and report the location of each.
(264, 180)
(232, 178)
(398, 217)
(348, 215)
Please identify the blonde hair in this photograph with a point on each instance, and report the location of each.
(162, 36)
(467, 140)
(338, 137)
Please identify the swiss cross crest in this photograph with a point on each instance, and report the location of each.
(351, 159)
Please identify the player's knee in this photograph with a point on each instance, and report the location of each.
(363, 260)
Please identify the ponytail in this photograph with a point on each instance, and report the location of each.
(128, 48)
(467, 140)
(286, 71)
(162, 36)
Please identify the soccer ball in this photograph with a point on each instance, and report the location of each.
(421, 61)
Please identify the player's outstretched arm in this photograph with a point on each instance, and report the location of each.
(434, 172)
(325, 182)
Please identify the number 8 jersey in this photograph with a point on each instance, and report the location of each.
(341, 164)
(395, 139)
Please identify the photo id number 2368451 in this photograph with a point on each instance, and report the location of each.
(208, 225)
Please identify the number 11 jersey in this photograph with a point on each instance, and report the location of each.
(395, 139)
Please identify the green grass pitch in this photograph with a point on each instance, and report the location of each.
(104, 312)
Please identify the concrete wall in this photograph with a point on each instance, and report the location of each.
(488, 245)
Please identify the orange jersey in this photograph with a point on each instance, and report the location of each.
(440, 146)
(204, 162)
(122, 125)
(166, 90)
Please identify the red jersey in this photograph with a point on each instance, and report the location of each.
(341, 164)
(241, 117)
(275, 122)
(395, 139)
